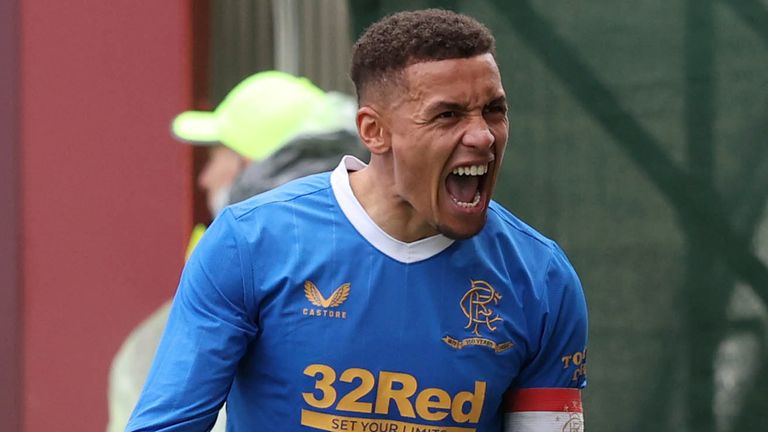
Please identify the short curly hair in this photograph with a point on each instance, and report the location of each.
(404, 38)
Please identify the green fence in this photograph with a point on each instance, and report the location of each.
(639, 141)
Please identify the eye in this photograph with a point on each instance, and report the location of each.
(447, 115)
(496, 109)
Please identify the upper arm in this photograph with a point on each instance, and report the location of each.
(548, 386)
(212, 320)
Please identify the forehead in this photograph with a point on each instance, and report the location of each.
(468, 81)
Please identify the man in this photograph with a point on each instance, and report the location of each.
(260, 117)
(394, 296)
(314, 129)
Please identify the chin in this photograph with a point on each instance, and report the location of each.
(462, 232)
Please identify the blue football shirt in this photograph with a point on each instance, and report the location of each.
(304, 315)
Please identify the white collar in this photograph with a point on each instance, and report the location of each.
(386, 244)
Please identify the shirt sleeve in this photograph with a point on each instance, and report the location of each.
(546, 395)
(211, 322)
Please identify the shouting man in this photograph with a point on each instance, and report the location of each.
(394, 296)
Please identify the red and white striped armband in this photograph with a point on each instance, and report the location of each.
(543, 410)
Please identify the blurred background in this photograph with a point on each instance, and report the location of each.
(639, 141)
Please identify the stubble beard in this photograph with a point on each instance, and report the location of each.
(453, 235)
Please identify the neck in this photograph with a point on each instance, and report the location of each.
(375, 190)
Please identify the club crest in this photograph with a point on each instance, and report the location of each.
(477, 305)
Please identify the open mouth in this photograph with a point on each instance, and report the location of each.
(465, 185)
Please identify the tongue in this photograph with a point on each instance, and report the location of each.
(463, 188)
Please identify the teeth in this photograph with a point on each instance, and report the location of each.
(473, 170)
(474, 202)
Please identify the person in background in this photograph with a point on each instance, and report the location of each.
(271, 128)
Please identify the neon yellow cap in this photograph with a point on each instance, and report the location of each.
(256, 118)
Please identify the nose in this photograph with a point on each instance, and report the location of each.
(478, 134)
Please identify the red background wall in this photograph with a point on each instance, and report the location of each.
(10, 219)
(105, 191)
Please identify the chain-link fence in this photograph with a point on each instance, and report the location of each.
(639, 141)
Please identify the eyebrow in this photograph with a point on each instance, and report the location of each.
(445, 106)
(501, 100)
(455, 106)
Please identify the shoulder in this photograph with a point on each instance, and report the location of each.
(302, 190)
(271, 217)
(507, 230)
(523, 249)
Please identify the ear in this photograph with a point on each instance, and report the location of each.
(244, 162)
(372, 130)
